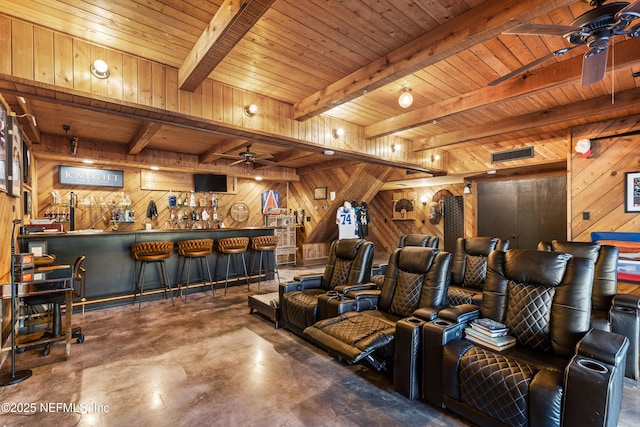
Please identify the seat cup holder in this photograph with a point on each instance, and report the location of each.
(440, 322)
(593, 365)
(414, 320)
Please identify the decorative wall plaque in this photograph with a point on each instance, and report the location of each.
(72, 175)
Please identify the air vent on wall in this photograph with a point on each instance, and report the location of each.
(520, 153)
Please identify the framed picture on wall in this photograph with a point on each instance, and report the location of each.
(26, 163)
(14, 158)
(3, 147)
(27, 202)
(632, 192)
(320, 193)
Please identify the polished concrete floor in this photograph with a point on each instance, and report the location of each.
(210, 362)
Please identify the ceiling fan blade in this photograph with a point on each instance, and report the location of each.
(263, 156)
(542, 29)
(225, 156)
(594, 65)
(237, 162)
(630, 12)
(538, 61)
(266, 162)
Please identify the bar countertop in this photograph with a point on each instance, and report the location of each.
(110, 268)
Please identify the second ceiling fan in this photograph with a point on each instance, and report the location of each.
(594, 29)
(249, 157)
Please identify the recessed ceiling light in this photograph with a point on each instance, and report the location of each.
(155, 168)
(329, 152)
(258, 178)
(88, 161)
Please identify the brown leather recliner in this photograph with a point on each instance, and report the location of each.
(610, 311)
(469, 268)
(348, 267)
(560, 371)
(416, 278)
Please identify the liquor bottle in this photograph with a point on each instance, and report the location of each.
(179, 200)
(192, 199)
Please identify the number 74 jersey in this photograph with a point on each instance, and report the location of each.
(347, 223)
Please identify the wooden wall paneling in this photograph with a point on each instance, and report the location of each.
(130, 79)
(206, 89)
(22, 50)
(97, 215)
(597, 187)
(115, 86)
(81, 66)
(159, 89)
(471, 158)
(62, 50)
(385, 233)
(43, 58)
(145, 83)
(5, 44)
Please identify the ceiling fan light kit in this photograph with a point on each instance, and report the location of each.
(593, 29)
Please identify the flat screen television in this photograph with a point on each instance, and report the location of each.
(206, 182)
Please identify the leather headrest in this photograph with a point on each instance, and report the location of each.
(476, 246)
(589, 250)
(348, 248)
(415, 259)
(416, 240)
(536, 267)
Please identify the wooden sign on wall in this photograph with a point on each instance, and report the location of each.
(72, 175)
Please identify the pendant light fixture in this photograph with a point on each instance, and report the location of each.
(406, 99)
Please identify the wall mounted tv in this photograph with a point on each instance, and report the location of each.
(206, 182)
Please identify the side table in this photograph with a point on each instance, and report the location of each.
(267, 305)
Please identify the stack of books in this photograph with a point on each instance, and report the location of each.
(489, 333)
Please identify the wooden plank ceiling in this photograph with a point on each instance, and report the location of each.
(348, 60)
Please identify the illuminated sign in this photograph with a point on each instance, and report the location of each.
(71, 175)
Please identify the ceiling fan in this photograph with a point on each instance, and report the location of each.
(248, 157)
(593, 28)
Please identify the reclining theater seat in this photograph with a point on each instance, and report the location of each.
(420, 240)
(560, 372)
(349, 265)
(612, 312)
(416, 278)
(469, 268)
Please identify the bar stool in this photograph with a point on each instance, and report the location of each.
(234, 246)
(152, 252)
(266, 245)
(188, 250)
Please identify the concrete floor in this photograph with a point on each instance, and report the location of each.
(210, 362)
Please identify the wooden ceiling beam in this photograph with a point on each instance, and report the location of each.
(228, 26)
(624, 102)
(490, 19)
(143, 136)
(552, 75)
(27, 113)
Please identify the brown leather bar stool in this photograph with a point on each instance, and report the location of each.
(194, 249)
(234, 246)
(151, 252)
(266, 245)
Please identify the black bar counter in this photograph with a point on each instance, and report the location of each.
(110, 269)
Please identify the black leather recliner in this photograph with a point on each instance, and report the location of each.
(610, 311)
(420, 240)
(469, 268)
(560, 372)
(348, 267)
(366, 324)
